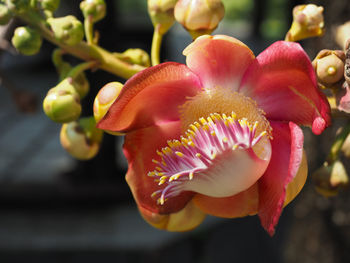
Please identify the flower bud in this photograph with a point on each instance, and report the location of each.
(62, 103)
(307, 22)
(329, 67)
(104, 99)
(342, 34)
(68, 29)
(96, 9)
(50, 5)
(81, 139)
(5, 14)
(346, 147)
(162, 14)
(135, 56)
(199, 17)
(27, 40)
(329, 179)
(18, 5)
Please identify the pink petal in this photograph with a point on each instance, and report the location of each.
(218, 60)
(287, 152)
(283, 82)
(151, 97)
(140, 148)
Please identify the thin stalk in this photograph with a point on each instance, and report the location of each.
(89, 30)
(156, 44)
(107, 61)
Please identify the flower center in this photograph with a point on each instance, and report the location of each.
(219, 157)
(222, 100)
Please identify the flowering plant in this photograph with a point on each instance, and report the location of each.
(225, 128)
(220, 135)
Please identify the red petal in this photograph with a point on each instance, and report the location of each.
(239, 205)
(287, 152)
(151, 97)
(140, 148)
(283, 82)
(218, 60)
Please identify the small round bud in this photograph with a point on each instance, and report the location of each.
(96, 9)
(135, 56)
(50, 5)
(199, 17)
(104, 99)
(68, 29)
(329, 179)
(62, 103)
(27, 40)
(162, 14)
(329, 67)
(5, 14)
(81, 139)
(307, 22)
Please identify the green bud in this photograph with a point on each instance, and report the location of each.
(135, 56)
(62, 103)
(50, 5)
(96, 9)
(81, 139)
(27, 40)
(18, 5)
(68, 29)
(330, 178)
(5, 14)
(162, 13)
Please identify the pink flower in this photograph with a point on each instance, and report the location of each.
(219, 136)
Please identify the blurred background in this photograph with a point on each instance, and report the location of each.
(57, 209)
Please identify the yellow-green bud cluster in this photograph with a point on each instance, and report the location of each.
(5, 14)
(27, 40)
(18, 5)
(62, 103)
(81, 139)
(50, 5)
(68, 30)
(93, 9)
